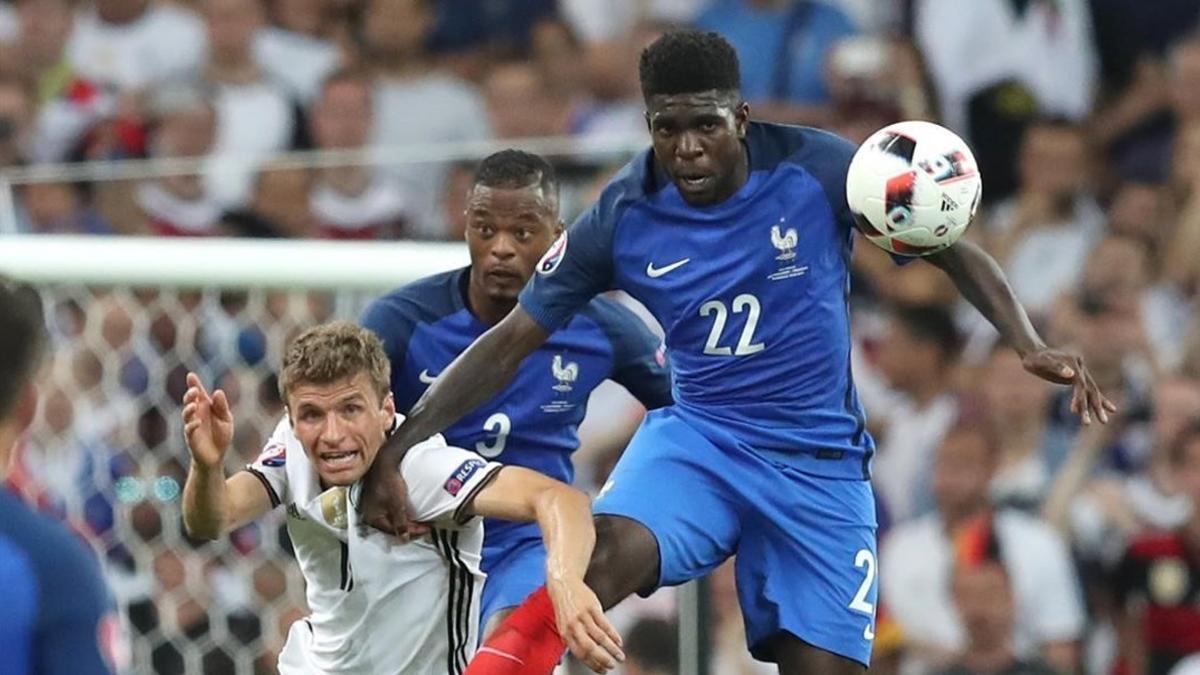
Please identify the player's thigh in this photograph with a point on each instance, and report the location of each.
(797, 657)
(806, 565)
(673, 482)
(511, 577)
(625, 560)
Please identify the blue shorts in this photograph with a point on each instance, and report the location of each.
(511, 577)
(805, 545)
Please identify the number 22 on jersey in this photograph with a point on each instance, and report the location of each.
(744, 303)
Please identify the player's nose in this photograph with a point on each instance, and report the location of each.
(688, 146)
(504, 247)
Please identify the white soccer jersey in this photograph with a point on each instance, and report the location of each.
(379, 606)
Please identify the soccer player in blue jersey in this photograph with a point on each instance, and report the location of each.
(736, 235)
(57, 615)
(512, 219)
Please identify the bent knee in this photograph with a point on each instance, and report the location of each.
(624, 561)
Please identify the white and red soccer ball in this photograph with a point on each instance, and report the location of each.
(913, 187)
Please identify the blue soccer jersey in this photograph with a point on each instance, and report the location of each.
(534, 422)
(752, 294)
(57, 611)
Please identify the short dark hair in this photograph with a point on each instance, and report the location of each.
(930, 324)
(21, 342)
(511, 169)
(689, 61)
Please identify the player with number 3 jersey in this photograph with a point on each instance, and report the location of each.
(512, 218)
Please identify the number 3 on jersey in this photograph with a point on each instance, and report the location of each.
(498, 424)
(745, 345)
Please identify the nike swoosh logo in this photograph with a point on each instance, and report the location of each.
(426, 378)
(656, 272)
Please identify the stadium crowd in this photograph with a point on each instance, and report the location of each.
(1009, 533)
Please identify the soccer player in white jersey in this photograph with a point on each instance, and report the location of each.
(378, 604)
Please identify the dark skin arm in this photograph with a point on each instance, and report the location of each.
(478, 374)
(981, 281)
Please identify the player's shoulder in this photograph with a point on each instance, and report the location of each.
(425, 300)
(608, 315)
(55, 552)
(816, 150)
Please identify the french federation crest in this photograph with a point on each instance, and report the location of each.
(785, 242)
(566, 373)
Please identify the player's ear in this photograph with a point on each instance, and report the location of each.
(558, 229)
(741, 118)
(291, 420)
(389, 407)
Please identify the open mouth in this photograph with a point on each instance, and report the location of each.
(339, 461)
(694, 182)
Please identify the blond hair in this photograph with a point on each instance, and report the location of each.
(335, 351)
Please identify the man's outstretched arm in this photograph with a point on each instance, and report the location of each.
(478, 374)
(981, 281)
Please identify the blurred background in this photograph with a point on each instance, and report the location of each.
(1006, 527)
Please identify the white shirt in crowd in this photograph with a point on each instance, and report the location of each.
(969, 46)
(425, 111)
(166, 43)
(299, 62)
(373, 211)
(254, 121)
(916, 561)
(379, 605)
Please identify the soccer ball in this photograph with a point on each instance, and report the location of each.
(913, 188)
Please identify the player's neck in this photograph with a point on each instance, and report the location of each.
(488, 311)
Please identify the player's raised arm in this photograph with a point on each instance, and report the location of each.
(212, 504)
(565, 517)
(981, 281)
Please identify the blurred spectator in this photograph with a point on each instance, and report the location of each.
(652, 648)
(454, 200)
(783, 46)
(983, 595)
(520, 105)
(296, 51)
(874, 81)
(135, 45)
(917, 357)
(69, 107)
(1158, 581)
(185, 125)
(612, 105)
(415, 105)
(1112, 508)
(16, 121)
(1018, 409)
(255, 117)
(1043, 233)
(988, 63)
(352, 201)
(59, 208)
(916, 560)
(488, 29)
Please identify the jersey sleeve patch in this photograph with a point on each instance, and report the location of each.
(462, 475)
(274, 456)
(554, 256)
